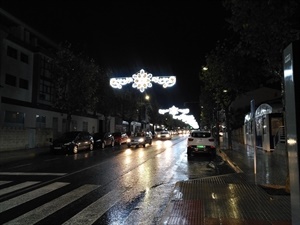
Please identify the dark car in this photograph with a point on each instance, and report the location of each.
(140, 138)
(120, 137)
(104, 139)
(73, 142)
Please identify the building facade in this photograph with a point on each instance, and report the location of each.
(27, 118)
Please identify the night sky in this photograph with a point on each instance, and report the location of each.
(169, 38)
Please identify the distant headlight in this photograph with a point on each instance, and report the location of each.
(141, 140)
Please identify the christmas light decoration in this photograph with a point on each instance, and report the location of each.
(142, 81)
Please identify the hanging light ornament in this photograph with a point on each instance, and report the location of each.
(142, 81)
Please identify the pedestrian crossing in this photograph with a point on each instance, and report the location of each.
(35, 202)
(33, 216)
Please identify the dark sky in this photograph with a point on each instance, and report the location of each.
(164, 38)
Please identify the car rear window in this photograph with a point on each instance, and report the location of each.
(201, 134)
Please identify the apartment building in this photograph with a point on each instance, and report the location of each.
(27, 118)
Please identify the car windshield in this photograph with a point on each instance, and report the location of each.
(201, 134)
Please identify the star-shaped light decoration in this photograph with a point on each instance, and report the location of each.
(174, 110)
(142, 81)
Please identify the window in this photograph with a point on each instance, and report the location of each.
(264, 125)
(45, 90)
(12, 52)
(24, 58)
(23, 83)
(85, 126)
(11, 80)
(14, 118)
(40, 121)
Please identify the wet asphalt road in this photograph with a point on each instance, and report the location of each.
(118, 185)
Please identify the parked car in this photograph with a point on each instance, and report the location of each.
(140, 138)
(201, 142)
(164, 135)
(120, 137)
(73, 142)
(103, 139)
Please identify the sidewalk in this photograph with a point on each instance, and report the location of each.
(234, 199)
(13, 155)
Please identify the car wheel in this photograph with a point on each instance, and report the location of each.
(128, 146)
(150, 142)
(144, 145)
(102, 145)
(91, 147)
(75, 149)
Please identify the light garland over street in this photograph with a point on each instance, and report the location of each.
(189, 119)
(142, 80)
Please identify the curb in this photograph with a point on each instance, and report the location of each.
(231, 163)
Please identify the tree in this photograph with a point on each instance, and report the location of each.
(228, 76)
(75, 81)
(265, 28)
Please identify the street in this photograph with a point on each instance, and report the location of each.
(115, 185)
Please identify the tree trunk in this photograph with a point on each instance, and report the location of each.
(228, 129)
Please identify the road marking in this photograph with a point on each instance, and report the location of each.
(17, 187)
(95, 210)
(6, 205)
(4, 182)
(31, 174)
(28, 164)
(49, 208)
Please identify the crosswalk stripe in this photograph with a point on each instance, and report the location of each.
(31, 174)
(6, 205)
(17, 187)
(94, 211)
(4, 182)
(47, 209)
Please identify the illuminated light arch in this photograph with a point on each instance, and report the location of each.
(142, 80)
(174, 110)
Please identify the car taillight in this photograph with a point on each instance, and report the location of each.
(211, 139)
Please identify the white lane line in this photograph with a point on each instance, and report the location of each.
(17, 187)
(28, 164)
(4, 182)
(47, 209)
(94, 211)
(49, 160)
(6, 205)
(31, 174)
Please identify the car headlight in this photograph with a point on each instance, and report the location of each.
(158, 135)
(128, 140)
(141, 140)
